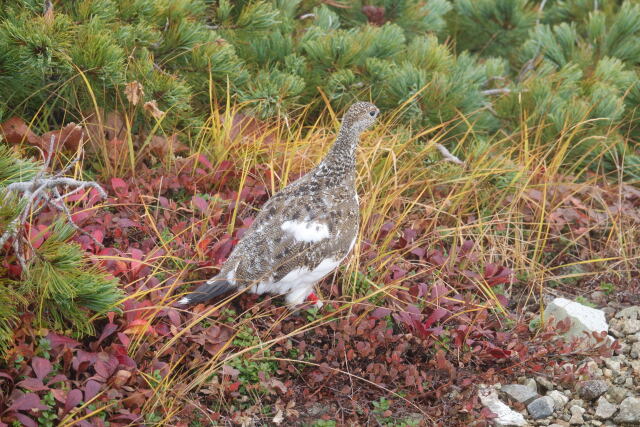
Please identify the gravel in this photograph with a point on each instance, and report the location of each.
(606, 390)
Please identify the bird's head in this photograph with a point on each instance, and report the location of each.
(360, 116)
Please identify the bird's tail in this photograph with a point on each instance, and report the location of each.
(211, 289)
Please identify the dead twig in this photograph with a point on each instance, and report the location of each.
(447, 155)
(44, 190)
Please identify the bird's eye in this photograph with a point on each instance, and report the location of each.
(372, 113)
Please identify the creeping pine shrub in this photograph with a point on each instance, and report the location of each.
(63, 287)
(568, 71)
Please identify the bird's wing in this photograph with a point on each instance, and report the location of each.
(293, 230)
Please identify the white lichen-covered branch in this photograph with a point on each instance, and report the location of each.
(447, 155)
(42, 190)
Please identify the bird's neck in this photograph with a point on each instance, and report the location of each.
(340, 161)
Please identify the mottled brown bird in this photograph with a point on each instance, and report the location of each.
(304, 231)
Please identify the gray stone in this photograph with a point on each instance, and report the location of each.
(614, 364)
(592, 389)
(542, 407)
(583, 318)
(629, 313)
(609, 312)
(629, 411)
(559, 399)
(598, 296)
(620, 380)
(616, 394)
(631, 326)
(605, 409)
(576, 415)
(591, 366)
(635, 350)
(505, 416)
(557, 424)
(531, 384)
(576, 402)
(623, 348)
(519, 393)
(616, 333)
(545, 383)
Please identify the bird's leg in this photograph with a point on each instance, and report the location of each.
(300, 295)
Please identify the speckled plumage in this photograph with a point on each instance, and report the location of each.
(304, 231)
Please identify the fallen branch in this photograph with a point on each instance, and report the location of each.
(44, 190)
(497, 91)
(447, 155)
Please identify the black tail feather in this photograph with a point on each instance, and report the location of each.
(207, 291)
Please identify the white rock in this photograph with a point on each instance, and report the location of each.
(531, 384)
(631, 326)
(614, 364)
(559, 399)
(505, 415)
(605, 409)
(629, 313)
(635, 350)
(629, 411)
(576, 415)
(583, 318)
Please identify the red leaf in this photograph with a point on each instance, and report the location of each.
(68, 137)
(234, 386)
(91, 389)
(37, 235)
(380, 312)
(437, 314)
(98, 235)
(125, 340)
(228, 370)
(60, 378)
(174, 317)
(15, 131)
(26, 421)
(105, 366)
(7, 376)
(109, 329)
(32, 384)
(41, 367)
(202, 159)
(120, 187)
(200, 203)
(374, 14)
(27, 402)
(73, 399)
(140, 326)
(80, 216)
(419, 252)
(126, 222)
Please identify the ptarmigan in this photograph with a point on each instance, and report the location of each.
(304, 231)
